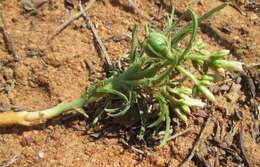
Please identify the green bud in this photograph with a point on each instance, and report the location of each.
(204, 82)
(219, 55)
(156, 45)
(207, 77)
(186, 109)
(229, 65)
(180, 114)
(186, 100)
(206, 92)
(184, 90)
(220, 72)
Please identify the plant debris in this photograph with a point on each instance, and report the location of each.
(7, 37)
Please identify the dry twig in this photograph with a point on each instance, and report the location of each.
(32, 8)
(179, 134)
(228, 150)
(242, 147)
(237, 8)
(202, 160)
(10, 162)
(7, 37)
(70, 20)
(134, 148)
(100, 44)
(138, 11)
(90, 67)
(196, 144)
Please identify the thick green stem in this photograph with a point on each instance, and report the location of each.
(167, 125)
(57, 110)
(27, 118)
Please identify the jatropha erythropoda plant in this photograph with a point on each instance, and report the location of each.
(155, 73)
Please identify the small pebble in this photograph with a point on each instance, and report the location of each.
(50, 127)
(41, 154)
(238, 80)
(224, 87)
(253, 16)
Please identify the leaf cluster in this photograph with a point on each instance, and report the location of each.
(156, 72)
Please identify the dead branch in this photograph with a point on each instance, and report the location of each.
(100, 44)
(70, 20)
(10, 46)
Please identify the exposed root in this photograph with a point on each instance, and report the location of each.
(11, 118)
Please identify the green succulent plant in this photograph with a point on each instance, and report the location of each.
(155, 74)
